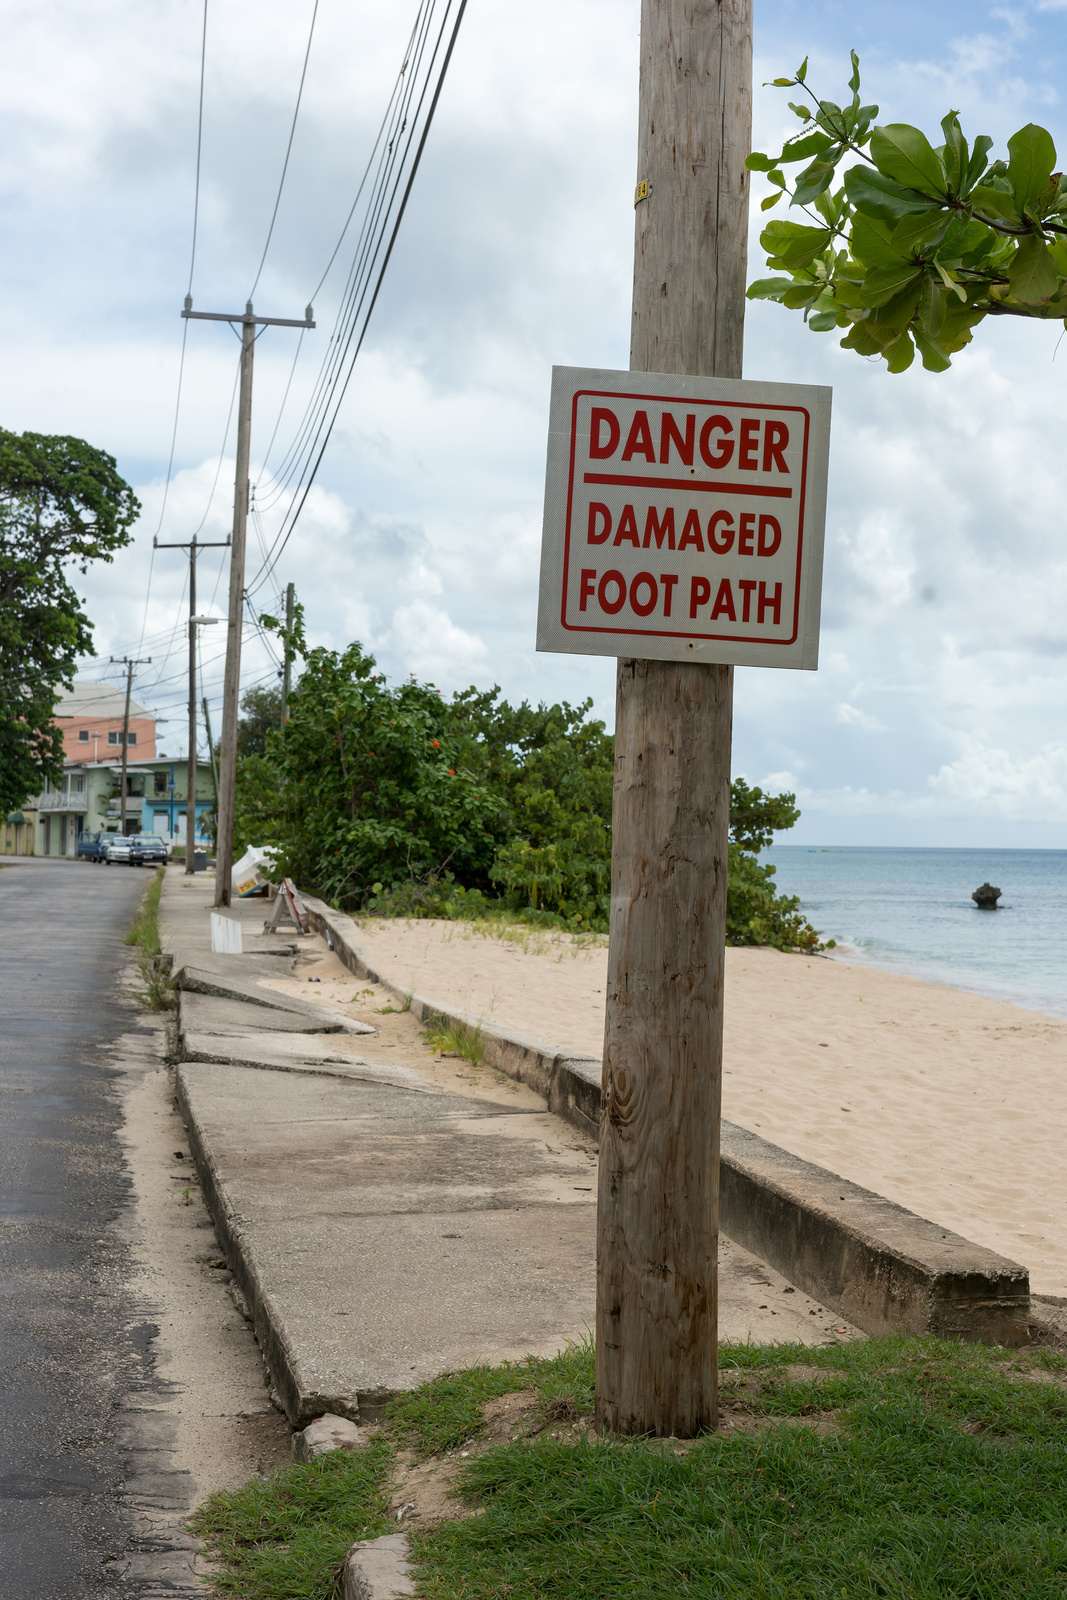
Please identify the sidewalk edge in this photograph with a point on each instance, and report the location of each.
(881, 1267)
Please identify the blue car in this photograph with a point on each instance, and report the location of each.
(147, 850)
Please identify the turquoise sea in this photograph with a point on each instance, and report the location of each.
(911, 911)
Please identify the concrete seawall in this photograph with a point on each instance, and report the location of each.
(880, 1266)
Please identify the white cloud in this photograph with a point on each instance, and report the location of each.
(427, 637)
(945, 565)
(853, 717)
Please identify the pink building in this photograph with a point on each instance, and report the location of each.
(91, 720)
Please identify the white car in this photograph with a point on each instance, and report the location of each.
(118, 849)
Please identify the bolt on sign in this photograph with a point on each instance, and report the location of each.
(684, 518)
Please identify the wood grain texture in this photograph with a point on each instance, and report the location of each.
(657, 1244)
(231, 688)
(691, 243)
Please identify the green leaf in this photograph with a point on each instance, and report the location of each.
(931, 307)
(882, 284)
(955, 156)
(822, 321)
(799, 111)
(768, 288)
(1032, 274)
(889, 320)
(782, 83)
(760, 163)
(777, 178)
(977, 165)
(911, 233)
(1032, 158)
(934, 358)
(812, 182)
(956, 328)
(802, 70)
(995, 203)
(860, 340)
(793, 246)
(871, 241)
(902, 153)
(900, 354)
(770, 200)
(854, 81)
(950, 283)
(802, 146)
(879, 196)
(800, 295)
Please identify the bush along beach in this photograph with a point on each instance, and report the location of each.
(399, 800)
(906, 1468)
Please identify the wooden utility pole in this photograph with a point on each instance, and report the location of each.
(231, 690)
(657, 1245)
(194, 622)
(290, 599)
(129, 664)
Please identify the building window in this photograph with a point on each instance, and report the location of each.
(114, 738)
(83, 736)
(77, 785)
(160, 780)
(131, 738)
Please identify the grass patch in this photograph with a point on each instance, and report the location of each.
(447, 1039)
(286, 1538)
(157, 986)
(943, 1476)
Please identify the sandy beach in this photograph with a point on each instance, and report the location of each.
(951, 1104)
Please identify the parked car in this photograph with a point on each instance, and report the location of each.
(147, 849)
(118, 848)
(93, 846)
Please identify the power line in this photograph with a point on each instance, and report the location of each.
(288, 150)
(199, 148)
(387, 144)
(185, 326)
(360, 318)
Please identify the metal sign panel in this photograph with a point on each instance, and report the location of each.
(684, 518)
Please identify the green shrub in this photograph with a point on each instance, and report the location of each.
(402, 802)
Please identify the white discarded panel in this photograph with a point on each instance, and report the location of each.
(253, 871)
(225, 936)
(684, 518)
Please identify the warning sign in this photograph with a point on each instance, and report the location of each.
(684, 518)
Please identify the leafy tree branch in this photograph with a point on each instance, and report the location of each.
(917, 243)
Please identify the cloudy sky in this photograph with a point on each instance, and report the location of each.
(937, 716)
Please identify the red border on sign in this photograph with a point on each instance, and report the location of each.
(647, 482)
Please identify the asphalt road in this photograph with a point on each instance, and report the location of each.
(70, 1346)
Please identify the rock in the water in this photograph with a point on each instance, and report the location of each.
(986, 897)
(328, 1433)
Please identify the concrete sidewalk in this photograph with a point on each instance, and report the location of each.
(389, 1214)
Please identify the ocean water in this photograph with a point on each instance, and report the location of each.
(911, 911)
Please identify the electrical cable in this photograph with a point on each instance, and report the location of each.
(350, 354)
(392, 127)
(288, 150)
(185, 325)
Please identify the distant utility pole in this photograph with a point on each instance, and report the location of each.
(657, 1240)
(194, 622)
(290, 597)
(214, 763)
(129, 663)
(231, 692)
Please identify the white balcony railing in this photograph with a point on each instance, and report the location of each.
(61, 800)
